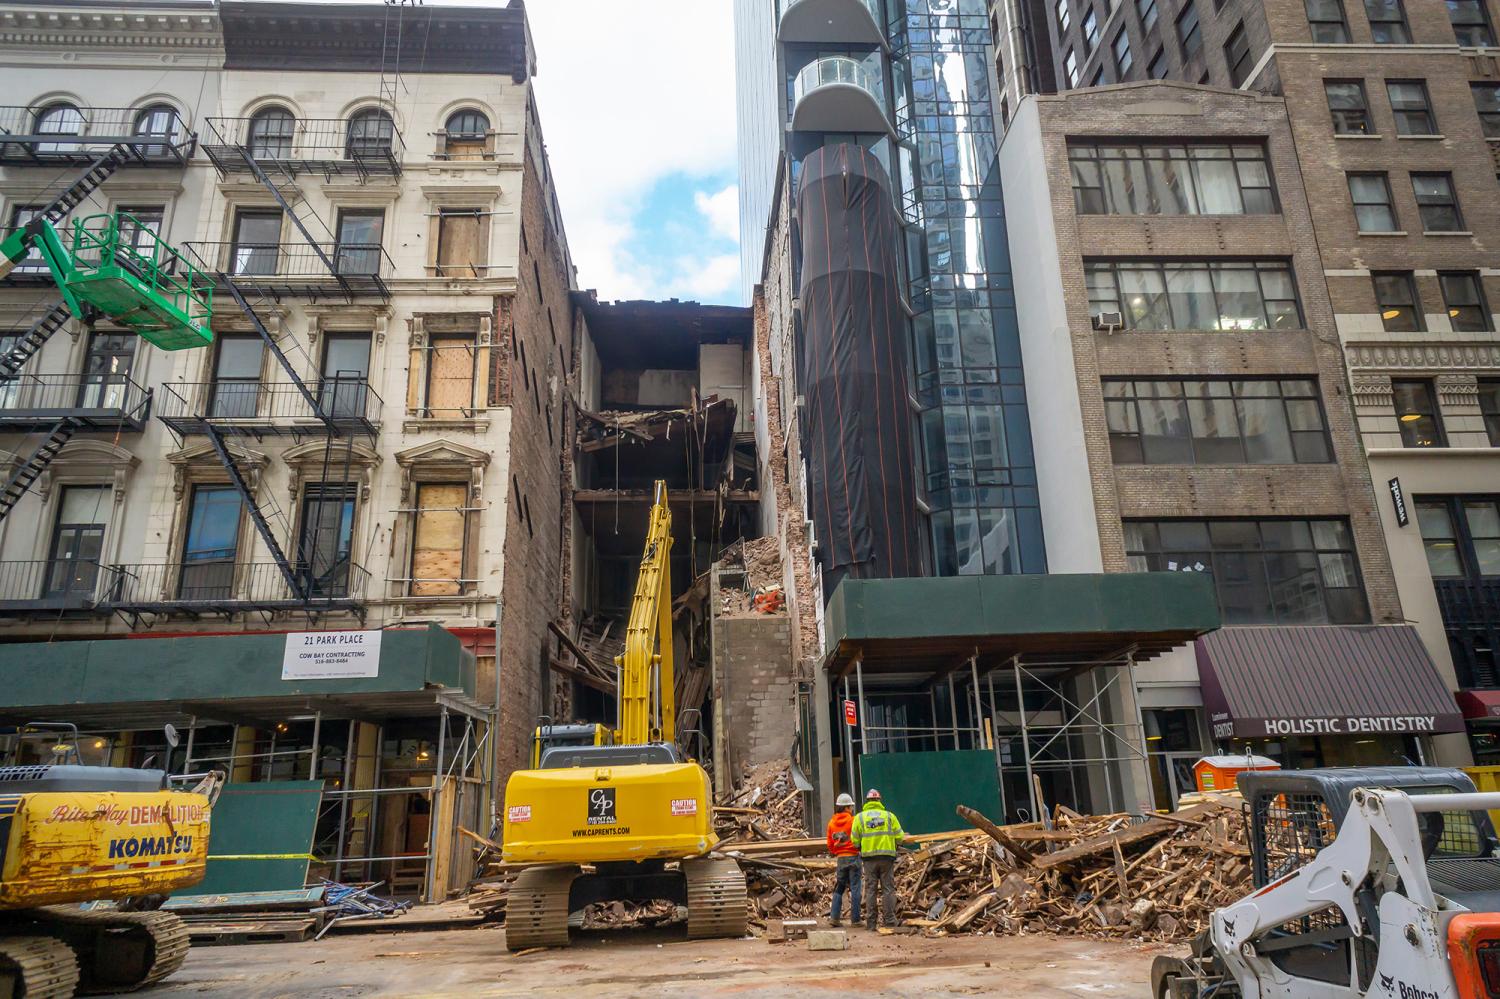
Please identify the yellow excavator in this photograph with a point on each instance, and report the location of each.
(627, 821)
(72, 833)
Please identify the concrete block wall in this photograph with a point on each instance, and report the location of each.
(756, 683)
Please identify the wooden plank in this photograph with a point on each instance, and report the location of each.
(995, 833)
(461, 245)
(450, 377)
(440, 845)
(1153, 828)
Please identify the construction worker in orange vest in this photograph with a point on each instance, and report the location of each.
(841, 845)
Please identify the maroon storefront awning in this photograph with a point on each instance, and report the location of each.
(1277, 681)
(1480, 705)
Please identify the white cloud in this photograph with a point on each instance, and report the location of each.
(630, 93)
(715, 278)
(722, 210)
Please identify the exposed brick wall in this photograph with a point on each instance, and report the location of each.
(532, 593)
(760, 696)
(1342, 489)
(782, 463)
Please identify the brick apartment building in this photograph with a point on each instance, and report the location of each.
(1393, 113)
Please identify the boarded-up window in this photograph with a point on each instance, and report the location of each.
(450, 376)
(461, 249)
(438, 539)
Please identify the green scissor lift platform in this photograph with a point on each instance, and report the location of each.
(120, 267)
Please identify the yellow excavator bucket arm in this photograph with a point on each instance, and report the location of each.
(648, 706)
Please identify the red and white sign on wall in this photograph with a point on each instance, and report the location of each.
(850, 718)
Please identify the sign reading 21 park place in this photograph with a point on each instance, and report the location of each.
(331, 655)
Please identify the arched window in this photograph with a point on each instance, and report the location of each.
(160, 121)
(466, 136)
(271, 131)
(60, 118)
(370, 134)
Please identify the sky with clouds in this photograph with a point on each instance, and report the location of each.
(637, 105)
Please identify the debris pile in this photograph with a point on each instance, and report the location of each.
(344, 902)
(1157, 878)
(750, 578)
(612, 915)
(766, 807)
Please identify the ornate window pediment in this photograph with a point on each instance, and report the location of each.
(306, 463)
(199, 463)
(443, 459)
(87, 462)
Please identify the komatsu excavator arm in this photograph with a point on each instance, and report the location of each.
(647, 700)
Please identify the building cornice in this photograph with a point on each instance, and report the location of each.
(1424, 356)
(32, 28)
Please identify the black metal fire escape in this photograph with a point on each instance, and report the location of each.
(53, 439)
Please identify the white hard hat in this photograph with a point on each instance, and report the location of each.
(872, 795)
(843, 801)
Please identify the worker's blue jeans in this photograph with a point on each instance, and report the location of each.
(846, 875)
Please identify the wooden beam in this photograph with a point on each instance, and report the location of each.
(582, 676)
(572, 647)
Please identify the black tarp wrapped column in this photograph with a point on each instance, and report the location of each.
(862, 482)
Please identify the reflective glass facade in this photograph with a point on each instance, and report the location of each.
(980, 472)
(978, 477)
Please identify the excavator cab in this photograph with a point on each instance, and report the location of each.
(547, 737)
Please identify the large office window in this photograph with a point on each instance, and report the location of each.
(1417, 413)
(1489, 405)
(1436, 202)
(257, 243)
(1147, 10)
(1158, 68)
(327, 533)
(1463, 297)
(1487, 105)
(77, 540)
(346, 374)
(1411, 106)
(211, 544)
(1388, 22)
(1327, 22)
(1123, 58)
(1461, 535)
(1175, 179)
(140, 226)
(1064, 16)
(371, 133)
(1371, 195)
(61, 118)
(1348, 106)
(1070, 65)
(1264, 571)
(1216, 421)
(106, 370)
(1471, 23)
(1090, 31)
(1195, 295)
(1396, 295)
(1237, 55)
(1188, 32)
(237, 367)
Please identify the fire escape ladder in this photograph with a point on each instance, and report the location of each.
(32, 341)
(36, 463)
(286, 365)
(302, 215)
(94, 175)
(257, 517)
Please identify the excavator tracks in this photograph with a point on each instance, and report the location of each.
(717, 905)
(114, 951)
(37, 968)
(536, 908)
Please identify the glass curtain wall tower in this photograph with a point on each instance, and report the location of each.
(909, 83)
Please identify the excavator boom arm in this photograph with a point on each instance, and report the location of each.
(647, 704)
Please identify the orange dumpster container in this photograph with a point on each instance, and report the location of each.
(1221, 773)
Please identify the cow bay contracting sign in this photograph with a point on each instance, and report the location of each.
(1260, 728)
(331, 655)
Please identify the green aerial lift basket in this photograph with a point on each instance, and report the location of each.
(122, 268)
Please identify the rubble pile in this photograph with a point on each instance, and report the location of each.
(612, 915)
(765, 807)
(751, 578)
(1092, 875)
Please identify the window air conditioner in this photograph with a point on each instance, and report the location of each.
(1109, 322)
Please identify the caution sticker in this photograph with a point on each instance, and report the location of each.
(684, 806)
(518, 813)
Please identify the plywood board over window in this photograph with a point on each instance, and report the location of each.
(438, 539)
(451, 364)
(463, 242)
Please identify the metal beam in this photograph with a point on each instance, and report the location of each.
(253, 508)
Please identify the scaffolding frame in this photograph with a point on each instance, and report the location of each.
(1086, 733)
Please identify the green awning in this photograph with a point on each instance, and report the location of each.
(145, 681)
(924, 626)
